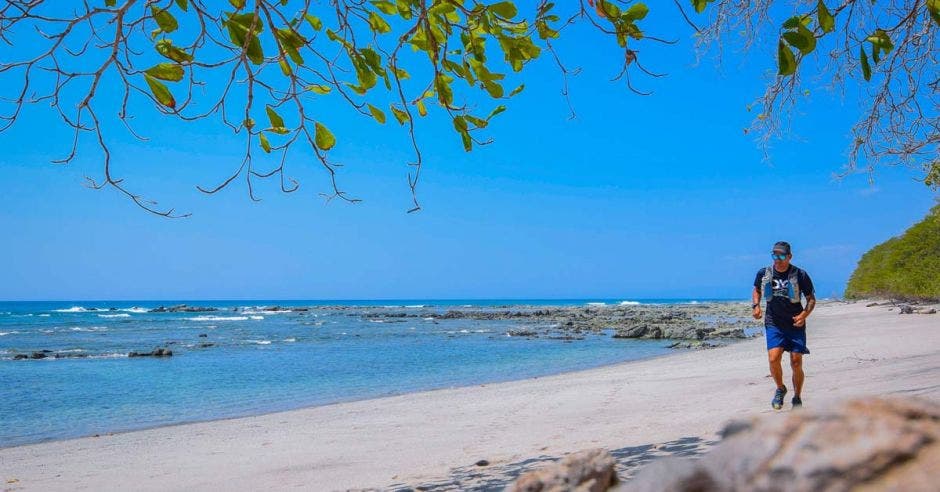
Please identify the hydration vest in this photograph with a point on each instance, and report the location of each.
(793, 290)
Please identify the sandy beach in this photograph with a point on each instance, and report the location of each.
(640, 410)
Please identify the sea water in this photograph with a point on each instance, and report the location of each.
(259, 361)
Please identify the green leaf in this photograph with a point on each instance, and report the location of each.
(160, 92)
(506, 10)
(933, 6)
(863, 59)
(422, 109)
(785, 59)
(183, 4)
(792, 22)
(636, 12)
(314, 22)
(277, 123)
(400, 115)
(166, 71)
(165, 47)
(517, 90)
(164, 19)
(265, 145)
(377, 114)
(238, 4)
(110, 3)
(378, 24)
(319, 88)
(825, 19)
(700, 5)
(323, 137)
(496, 111)
(387, 8)
(801, 39)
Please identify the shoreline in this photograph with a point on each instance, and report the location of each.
(422, 437)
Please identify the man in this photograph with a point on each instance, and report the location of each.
(781, 285)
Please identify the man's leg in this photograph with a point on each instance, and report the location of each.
(774, 356)
(796, 363)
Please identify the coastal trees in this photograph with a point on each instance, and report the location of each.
(256, 66)
(903, 267)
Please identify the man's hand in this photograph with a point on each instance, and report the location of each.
(757, 312)
(800, 319)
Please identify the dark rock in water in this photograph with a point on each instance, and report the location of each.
(206, 345)
(183, 308)
(482, 463)
(112, 309)
(157, 352)
(585, 471)
(203, 335)
(864, 444)
(20, 357)
(906, 309)
(522, 333)
(38, 355)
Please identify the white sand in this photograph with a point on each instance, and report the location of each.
(415, 437)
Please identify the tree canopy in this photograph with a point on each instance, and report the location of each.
(255, 66)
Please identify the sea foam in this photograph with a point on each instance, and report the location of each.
(218, 318)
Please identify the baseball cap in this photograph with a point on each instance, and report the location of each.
(782, 247)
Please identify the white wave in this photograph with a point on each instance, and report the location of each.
(47, 331)
(119, 315)
(256, 317)
(109, 355)
(464, 331)
(2, 333)
(596, 303)
(262, 311)
(693, 302)
(138, 310)
(73, 309)
(482, 331)
(415, 306)
(218, 318)
(629, 303)
(428, 319)
(376, 321)
(89, 328)
(46, 315)
(70, 351)
(259, 342)
(22, 315)
(290, 339)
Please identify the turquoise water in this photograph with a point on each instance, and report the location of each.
(259, 362)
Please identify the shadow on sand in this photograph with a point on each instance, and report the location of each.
(496, 477)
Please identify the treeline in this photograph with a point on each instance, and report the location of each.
(906, 267)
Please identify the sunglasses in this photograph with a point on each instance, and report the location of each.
(778, 256)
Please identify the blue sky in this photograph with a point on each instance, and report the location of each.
(638, 197)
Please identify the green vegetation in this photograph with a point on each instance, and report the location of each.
(903, 267)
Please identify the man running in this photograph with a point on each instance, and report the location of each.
(781, 285)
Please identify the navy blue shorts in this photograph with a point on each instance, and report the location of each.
(792, 340)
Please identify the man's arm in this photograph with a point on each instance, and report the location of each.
(755, 301)
(800, 319)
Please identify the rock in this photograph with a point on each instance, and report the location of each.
(157, 352)
(872, 304)
(203, 335)
(905, 309)
(482, 463)
(864, 444)
(521, 333)
(927, 311)
(20, 357)
(38, 355)
(183, 308)
(206, 345)
(585, 471)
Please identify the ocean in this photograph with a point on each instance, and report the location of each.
(244, 359)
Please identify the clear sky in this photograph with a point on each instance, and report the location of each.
(638, 197)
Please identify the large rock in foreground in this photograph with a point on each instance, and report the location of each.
(865, 445)
(585, 471)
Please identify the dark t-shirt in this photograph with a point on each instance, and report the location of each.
(780, 311)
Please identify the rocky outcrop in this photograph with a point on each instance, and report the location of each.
(865, 444)
(157, 352)
(585, 471)
(183, 308)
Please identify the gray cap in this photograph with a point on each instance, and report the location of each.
(782, 247)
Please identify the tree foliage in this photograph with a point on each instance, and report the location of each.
(904, 267)
(257, 66)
